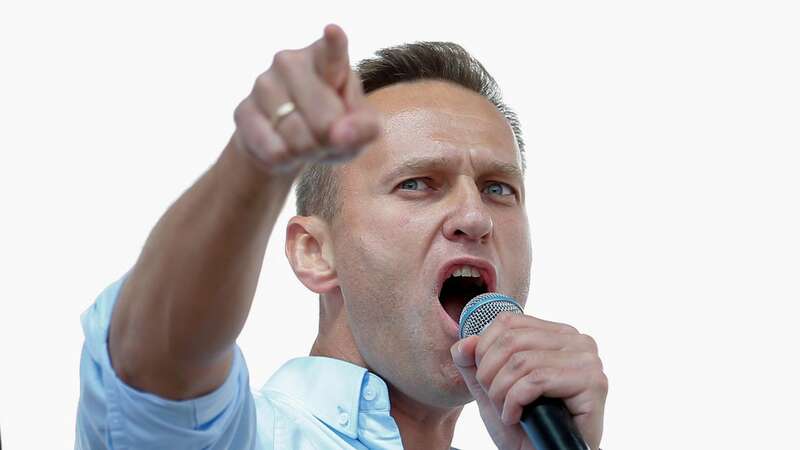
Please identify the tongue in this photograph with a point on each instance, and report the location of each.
(453, 304)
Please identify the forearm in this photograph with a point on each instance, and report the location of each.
(188, 295)
(187, 298)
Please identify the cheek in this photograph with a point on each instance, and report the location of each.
(516, 254)
(378, 257)
(366, 266)
(513, 230)
(386, 236)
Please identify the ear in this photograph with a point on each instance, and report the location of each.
(309, 249)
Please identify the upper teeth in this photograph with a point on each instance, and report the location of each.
(466, 271)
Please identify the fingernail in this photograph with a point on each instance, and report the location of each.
(455, 351)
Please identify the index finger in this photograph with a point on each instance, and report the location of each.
(330, 57)
(506, 321)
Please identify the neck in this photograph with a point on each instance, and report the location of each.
(334, 338)
(422, 426)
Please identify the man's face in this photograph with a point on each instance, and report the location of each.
(442, 189)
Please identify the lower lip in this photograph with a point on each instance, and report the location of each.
(450, 325)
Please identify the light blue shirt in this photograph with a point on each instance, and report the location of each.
(309, 403)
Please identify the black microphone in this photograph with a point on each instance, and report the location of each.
(547, 421)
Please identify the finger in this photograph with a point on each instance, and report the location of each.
(508, 321)
(553, 382)
(514, 341)
(547, 382)
(317, 102)
(270, 93)
(462, 352)
(356, 130)
(298, 137)
(584, 397)
(354, 91)
(520, 364)
(331, 58)
(255, 135)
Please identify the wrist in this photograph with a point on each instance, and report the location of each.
(239, 173)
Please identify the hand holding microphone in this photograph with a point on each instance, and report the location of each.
(538, 384)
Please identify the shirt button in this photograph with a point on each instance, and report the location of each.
(344, 419)
(369, 393)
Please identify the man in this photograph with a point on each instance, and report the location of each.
(410, 201)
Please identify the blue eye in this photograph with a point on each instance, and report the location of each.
(413, 184)
(497, 188)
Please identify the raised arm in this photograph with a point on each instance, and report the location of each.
(187, 298)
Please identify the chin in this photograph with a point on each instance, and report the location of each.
(452, 396)
(442, 389)
(450, 389)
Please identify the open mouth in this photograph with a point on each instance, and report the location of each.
(463, 283)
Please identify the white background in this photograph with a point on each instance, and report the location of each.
(662, 187)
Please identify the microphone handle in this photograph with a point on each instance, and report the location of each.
(549, 425)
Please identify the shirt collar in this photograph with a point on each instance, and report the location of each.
(334, 391)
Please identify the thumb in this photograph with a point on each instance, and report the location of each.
(355, 130)
(463, 353)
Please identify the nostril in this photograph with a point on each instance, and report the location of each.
(477, 235)
(471, 226)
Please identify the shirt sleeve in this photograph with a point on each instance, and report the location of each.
(114, 415)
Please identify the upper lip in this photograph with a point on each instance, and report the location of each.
(486, 269)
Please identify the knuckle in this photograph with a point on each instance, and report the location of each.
(518, 361)
(504, 340)
(508, 339)
(243, 112)
(589, 342)
(600, 381)
(595, 361)
(567, 329)
(285, 60)
(537, 377)
(239, 113)
(265, 84)
(504, 318)
(281, 59)
(480, 352)
(483, 378)
(590, 360)
(498, 398)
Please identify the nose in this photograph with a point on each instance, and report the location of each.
(468, 218)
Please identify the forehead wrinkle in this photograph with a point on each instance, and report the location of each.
(423, 163)
(504, 168)
(418, 163)
(432, 121)
(443, 125)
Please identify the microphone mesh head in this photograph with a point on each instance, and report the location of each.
(481, 311)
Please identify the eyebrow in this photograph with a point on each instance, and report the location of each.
(423, 163)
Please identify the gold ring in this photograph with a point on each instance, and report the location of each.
(282, 111)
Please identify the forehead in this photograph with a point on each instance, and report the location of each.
(436, 118)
